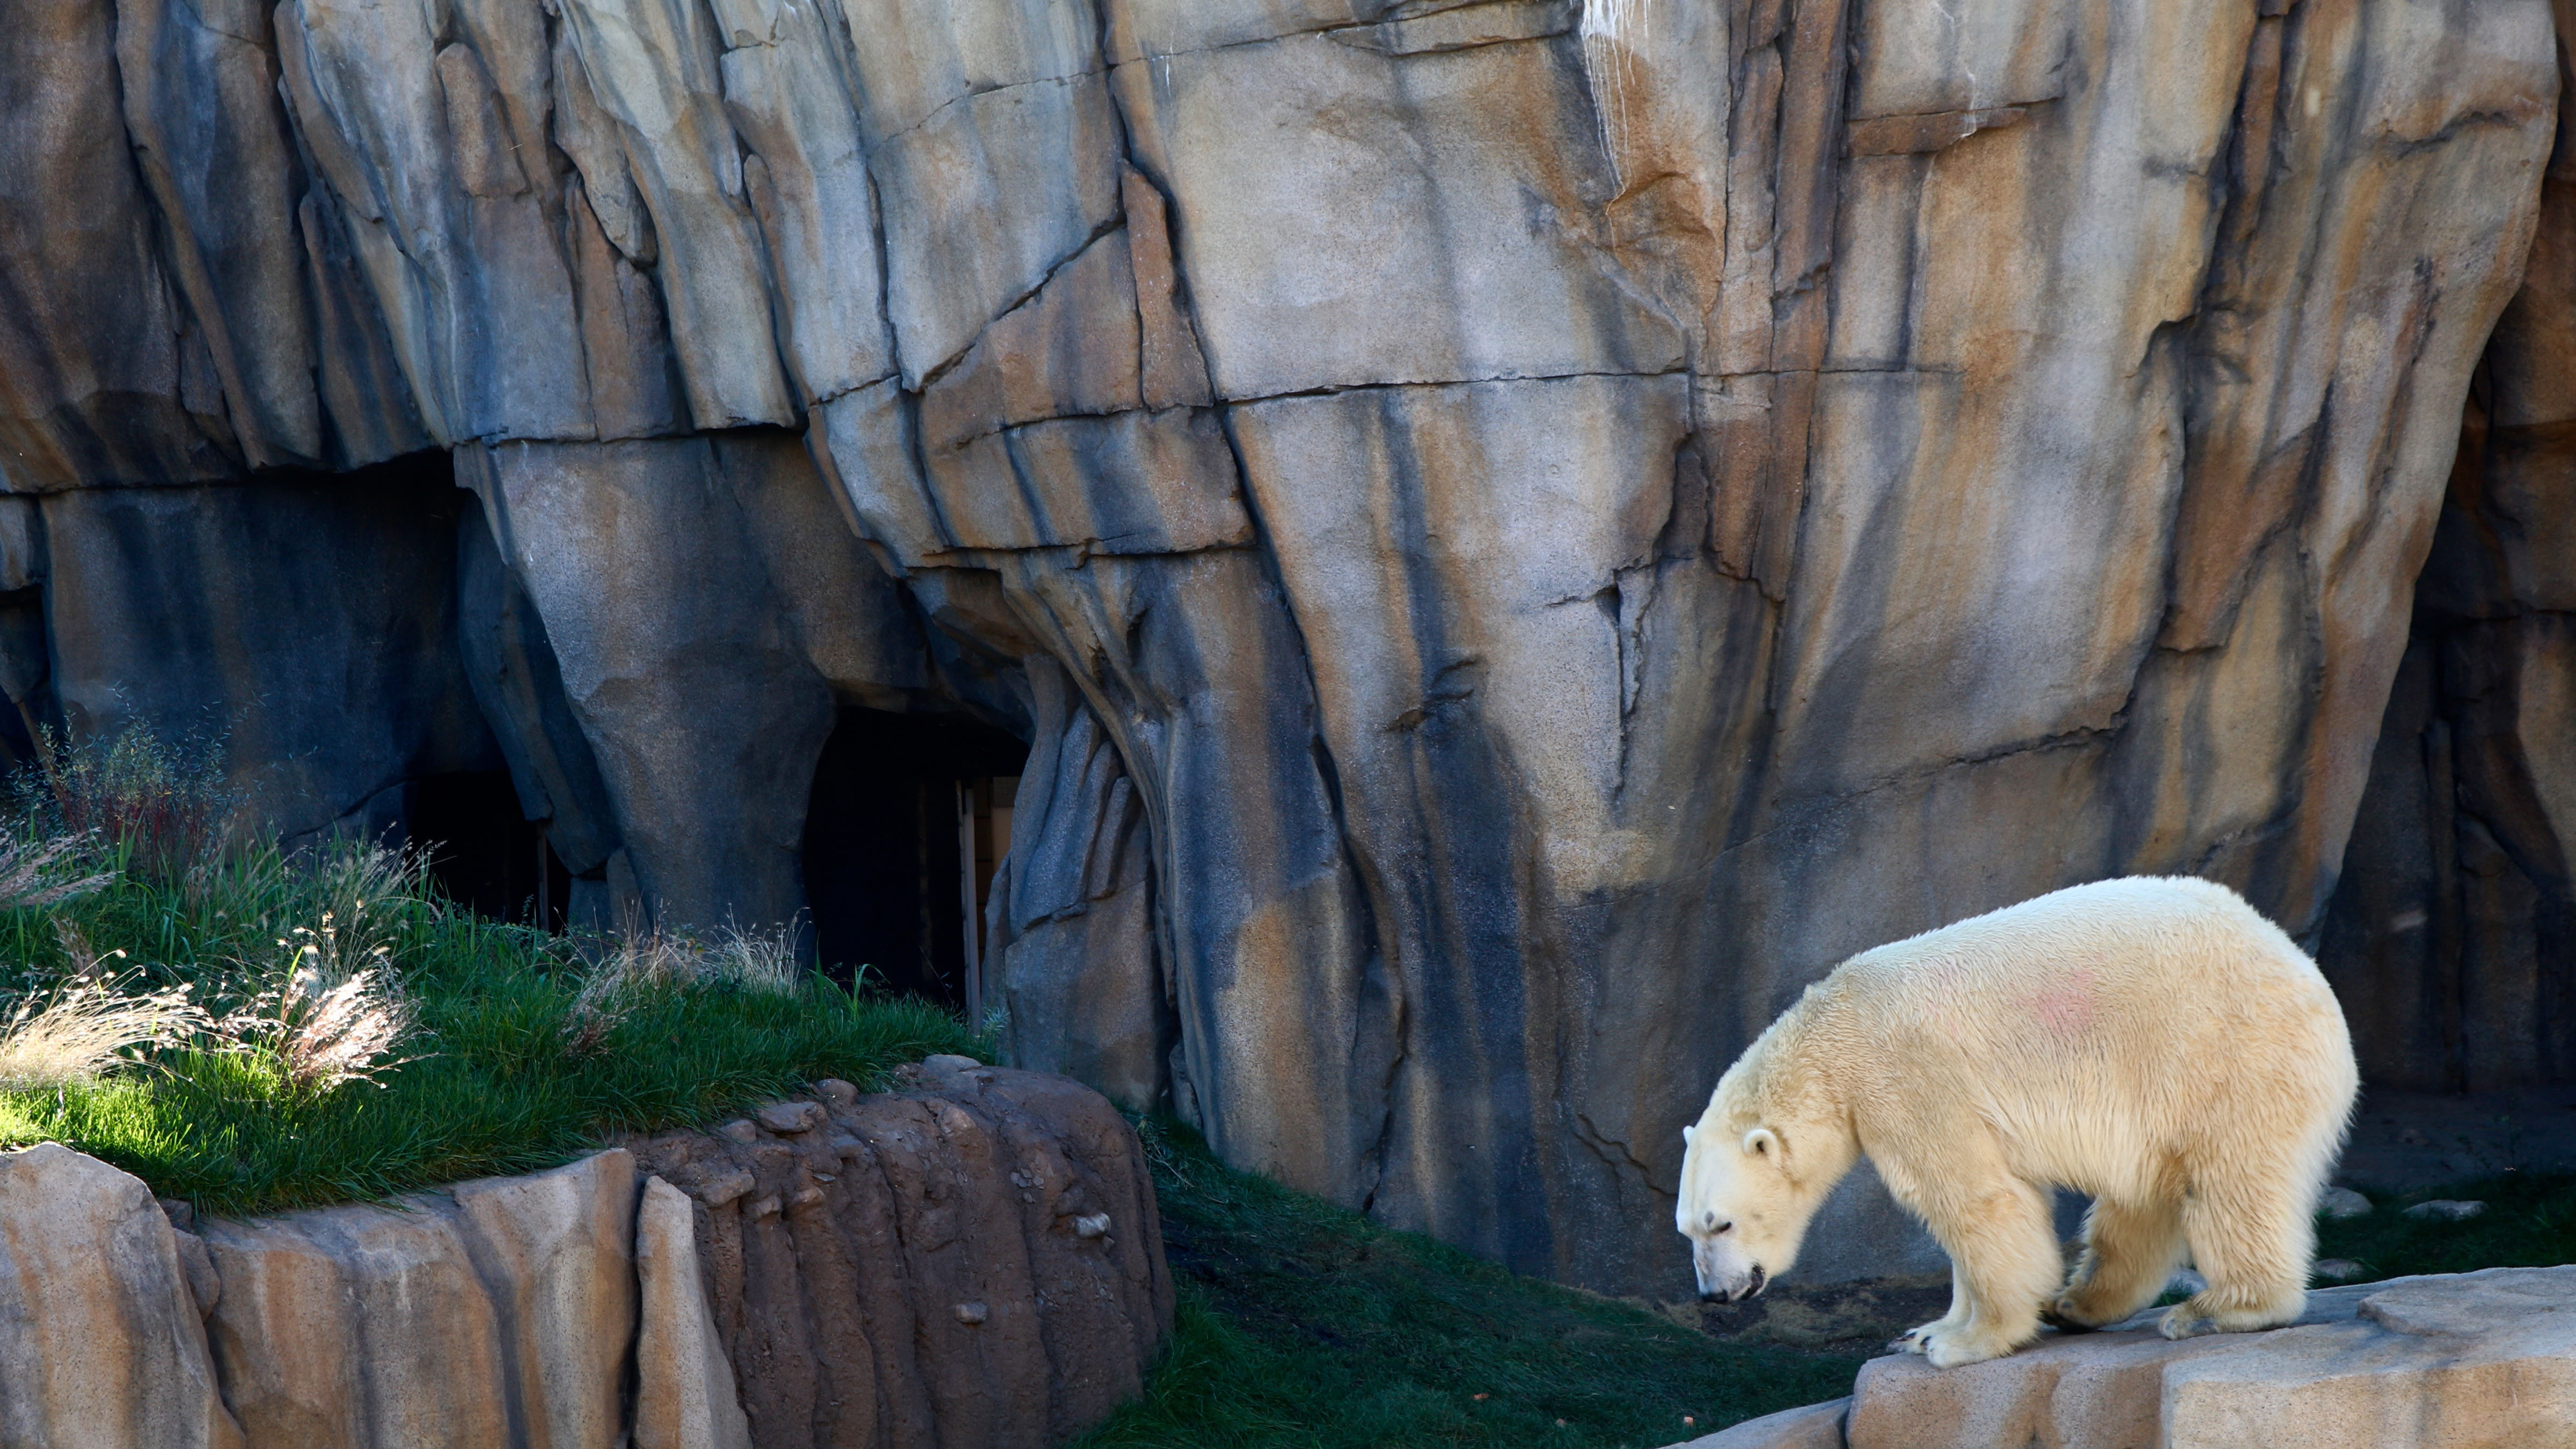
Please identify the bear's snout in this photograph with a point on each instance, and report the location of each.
(1752, 1286)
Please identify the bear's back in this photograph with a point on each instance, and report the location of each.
(2158, 934)
(2107, 1012)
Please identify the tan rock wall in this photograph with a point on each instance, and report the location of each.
(99, 1329)
(1569, 517)
(2450, 939)
(501, 1313)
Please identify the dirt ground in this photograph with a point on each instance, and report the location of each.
(1847, 1319)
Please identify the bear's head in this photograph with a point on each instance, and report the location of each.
(1743, 1210)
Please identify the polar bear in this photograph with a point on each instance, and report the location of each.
(2153, 1042)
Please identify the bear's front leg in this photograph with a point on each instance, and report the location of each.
(2003, 1266)
(1913, 1339)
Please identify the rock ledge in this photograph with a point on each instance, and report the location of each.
(2472, 1359)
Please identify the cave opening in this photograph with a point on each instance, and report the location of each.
(908, 820)
(483, 852)
(2451, 935)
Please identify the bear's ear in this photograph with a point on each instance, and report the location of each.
(1760, 1142)
(1687, 1134)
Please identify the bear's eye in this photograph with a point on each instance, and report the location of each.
(1726, 1227)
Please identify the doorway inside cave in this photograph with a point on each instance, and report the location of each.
(909, 819)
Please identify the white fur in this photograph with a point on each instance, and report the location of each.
(2153, 1042)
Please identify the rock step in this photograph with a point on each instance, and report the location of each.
(2438, 1362)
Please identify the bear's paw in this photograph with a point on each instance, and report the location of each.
(1946, 1345)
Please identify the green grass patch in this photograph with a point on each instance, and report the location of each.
(1302, 1324)
(2530, 1222)
(506, 1067)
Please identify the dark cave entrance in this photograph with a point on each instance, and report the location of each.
(2451, 936)
(908, 812)
(485, 854)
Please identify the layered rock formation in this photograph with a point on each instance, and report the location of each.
(975, 1262)
(594, 1306)
(2412, 1363)
(1517, 532)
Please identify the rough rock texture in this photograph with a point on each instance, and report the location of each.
(974, 1262)
(2474, 1359)
(500, 1312)
(684, 1388)
(977, 1261)
(1816, 1426)
(1518, 531)
(99, 1328)
(270, 619)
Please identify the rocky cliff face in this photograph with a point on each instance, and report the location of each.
(1517, 533)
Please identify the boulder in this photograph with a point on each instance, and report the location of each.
(100, 1342)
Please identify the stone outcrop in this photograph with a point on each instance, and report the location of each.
(974, 1262)
(977, 1261)
(499, 1312)
(99, 1327)
(1815, 1426)
(1517, 532)
(2412, 1363)
(684, 1386)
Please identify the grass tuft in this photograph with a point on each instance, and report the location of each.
(162, 807)
(74, 1034)
(1303, 1324)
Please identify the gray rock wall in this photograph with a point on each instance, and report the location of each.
(1519, 532)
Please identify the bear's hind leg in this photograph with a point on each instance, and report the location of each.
(2004, 1265)
(2250, 1240)
(2130, 1253)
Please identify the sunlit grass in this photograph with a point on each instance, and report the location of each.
(496, 1073)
